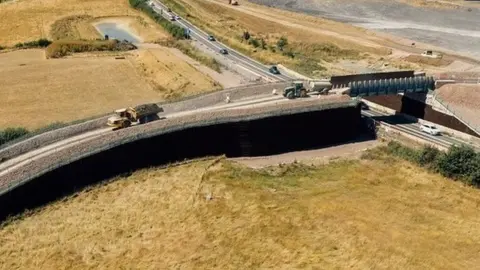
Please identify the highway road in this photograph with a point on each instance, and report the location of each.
(399, 123)
(240, 59)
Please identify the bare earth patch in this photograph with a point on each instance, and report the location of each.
(317, 156)
(463, 100)
(218, 215)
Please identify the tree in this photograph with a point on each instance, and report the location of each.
(263, 44)
(459, 162)
(246, 35)
(282, 43)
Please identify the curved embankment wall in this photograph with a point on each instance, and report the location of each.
(259, 136)
(188, 103)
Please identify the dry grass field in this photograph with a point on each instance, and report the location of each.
(25, 20)
(36, 92)
(215, 214)
(171, 76)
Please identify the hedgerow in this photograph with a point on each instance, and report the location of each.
(459, 162)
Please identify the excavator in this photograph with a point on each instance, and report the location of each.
(140, 114)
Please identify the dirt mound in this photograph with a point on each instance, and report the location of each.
(463, 100)
(465, 95)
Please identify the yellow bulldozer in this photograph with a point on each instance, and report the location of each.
(134, 115)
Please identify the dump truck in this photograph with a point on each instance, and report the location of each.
(320, 86)
(297, 89)
(140, 114)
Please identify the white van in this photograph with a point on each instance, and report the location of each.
(430, 129)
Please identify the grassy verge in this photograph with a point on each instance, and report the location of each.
(62, 48)
(461, 163)
(185, 47)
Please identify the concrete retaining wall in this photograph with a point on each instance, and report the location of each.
(254, 137)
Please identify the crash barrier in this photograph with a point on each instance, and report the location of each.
(391, 86)
(343, 81)
(233, 137)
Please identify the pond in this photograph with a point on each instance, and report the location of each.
(116, 32)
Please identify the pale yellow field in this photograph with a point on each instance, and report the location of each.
(171, 76)
(36, 92)
(24, 20)
(349, 214)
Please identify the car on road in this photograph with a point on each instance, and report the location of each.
(223, 51)
(211, 38)
(172, 18)
(274, 70)
(430, 129)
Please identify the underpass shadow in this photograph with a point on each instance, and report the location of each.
(396, 119)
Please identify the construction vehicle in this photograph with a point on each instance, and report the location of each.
(137, 115)
(320, 86)
(297, 89)
(233, 2)
(431, 54)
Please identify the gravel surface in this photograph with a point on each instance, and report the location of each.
(109, 140)
(189, 103)
(453, 29)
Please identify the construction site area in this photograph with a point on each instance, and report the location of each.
(233, 134)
